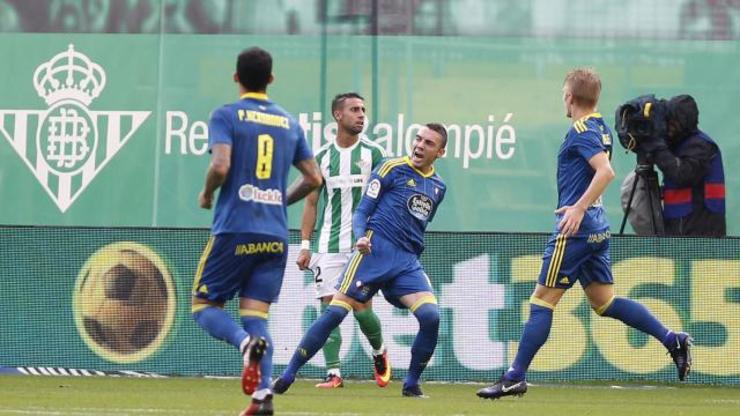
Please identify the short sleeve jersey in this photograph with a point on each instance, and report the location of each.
(265, 141)
(345, 172)
(587, 137)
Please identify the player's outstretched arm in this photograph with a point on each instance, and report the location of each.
(218, 170)
(310, 180)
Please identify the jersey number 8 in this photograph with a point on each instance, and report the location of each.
(264, 156)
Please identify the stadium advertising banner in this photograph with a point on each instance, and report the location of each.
(119, 300)
(111, 129)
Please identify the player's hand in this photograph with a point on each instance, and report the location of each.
(364, 245)
(304, 257)
(571, 221)
(205, 201)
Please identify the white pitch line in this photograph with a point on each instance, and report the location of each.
(87, 411)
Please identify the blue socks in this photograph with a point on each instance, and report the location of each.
(639, 317)
(219, 324)
(536, 331)
(425, 342)
(314, 339)
(257, 327)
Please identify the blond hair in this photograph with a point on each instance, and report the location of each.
(584, 85)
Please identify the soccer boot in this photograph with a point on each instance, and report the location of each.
(681, 354)
(413, 391)
(332, 381)
(259, 407)
(251, 374)
(382, 369)
(280, 385)
(503, 387)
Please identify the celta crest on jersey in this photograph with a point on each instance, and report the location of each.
(420, 206)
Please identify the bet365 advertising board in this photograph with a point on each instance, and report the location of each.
(119, 299)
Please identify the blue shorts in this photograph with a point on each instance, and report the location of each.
(251, 265)
(584, 258)
(388, 268)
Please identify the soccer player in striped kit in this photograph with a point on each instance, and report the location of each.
(345, 163)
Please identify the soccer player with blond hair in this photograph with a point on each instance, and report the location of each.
(578, 249)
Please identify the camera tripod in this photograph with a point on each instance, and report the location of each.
(645, 173)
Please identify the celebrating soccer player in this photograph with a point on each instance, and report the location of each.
(346, 163)
(401, 198)
(579, 247)
(253, 144)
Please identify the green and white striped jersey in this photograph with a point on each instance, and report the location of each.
(345, 172)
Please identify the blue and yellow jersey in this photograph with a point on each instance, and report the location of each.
(399, 202)
(587, 137)
(265, 141)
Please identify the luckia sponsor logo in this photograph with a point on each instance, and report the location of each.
(68, 149)
(263, 196)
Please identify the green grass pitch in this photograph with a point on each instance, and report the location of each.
(109, 396)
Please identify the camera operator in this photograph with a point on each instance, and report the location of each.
(693, 176)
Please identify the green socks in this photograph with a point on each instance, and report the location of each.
(370, 326)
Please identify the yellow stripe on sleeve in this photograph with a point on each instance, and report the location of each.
(387, 166)
(580, 126)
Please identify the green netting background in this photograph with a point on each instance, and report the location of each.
(483, 281)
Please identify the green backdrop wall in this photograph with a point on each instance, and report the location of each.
(501, 97)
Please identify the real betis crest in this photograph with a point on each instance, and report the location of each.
(71, 143)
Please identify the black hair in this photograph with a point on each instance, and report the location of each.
(339, 99)
(254, 68)
(441, 130)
